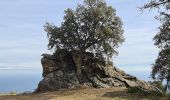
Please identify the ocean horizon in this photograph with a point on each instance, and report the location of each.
(14, 80)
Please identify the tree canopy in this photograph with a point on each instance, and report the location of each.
(92, 26)
(161, 67)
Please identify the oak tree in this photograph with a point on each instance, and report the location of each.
(161, 67)
(92, 26)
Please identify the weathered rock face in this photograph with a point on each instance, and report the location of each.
(59, 72)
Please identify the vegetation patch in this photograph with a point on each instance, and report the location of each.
(144, 92)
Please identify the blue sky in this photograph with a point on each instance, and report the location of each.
(23, 40)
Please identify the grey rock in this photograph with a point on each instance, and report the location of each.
(131, 83)
(59, 72)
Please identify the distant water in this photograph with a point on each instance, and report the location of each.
(19, 80)
(27, 80)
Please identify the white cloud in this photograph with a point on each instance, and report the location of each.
(138, 52)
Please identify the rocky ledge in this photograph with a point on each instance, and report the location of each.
(59, 72)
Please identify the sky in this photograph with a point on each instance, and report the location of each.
(23, 39)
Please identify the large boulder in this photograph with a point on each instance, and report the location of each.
(59, 72)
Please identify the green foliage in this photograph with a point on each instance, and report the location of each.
(142, 91)
(13, 93)
(158, 84)
(137, 90)
(26, 93)
(168, 97)
(161, 67)
(93, 26)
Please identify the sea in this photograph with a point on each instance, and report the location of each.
(20, 81)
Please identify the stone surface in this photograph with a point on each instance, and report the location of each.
(59, 72)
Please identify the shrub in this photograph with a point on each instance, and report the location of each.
(159, 85)
(145, 92)
(13, 93)
(137, 90)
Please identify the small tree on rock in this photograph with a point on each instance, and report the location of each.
(93, 27)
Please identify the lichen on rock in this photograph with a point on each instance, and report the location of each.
(59, 72)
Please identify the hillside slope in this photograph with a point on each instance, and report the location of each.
(83, 94)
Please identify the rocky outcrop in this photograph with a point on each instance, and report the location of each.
(59, 72)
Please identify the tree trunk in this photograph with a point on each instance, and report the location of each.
(79, 68)
(78, 60)
(168, 87)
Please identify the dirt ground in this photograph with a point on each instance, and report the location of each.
(82, 94)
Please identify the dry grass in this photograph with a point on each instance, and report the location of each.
(82, 94)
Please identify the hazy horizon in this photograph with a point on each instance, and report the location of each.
(23, 39)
